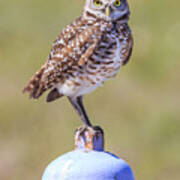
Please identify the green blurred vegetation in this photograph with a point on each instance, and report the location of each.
(139, 110)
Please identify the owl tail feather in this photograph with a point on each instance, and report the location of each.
(34, 87)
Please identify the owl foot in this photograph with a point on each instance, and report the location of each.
(89, 138)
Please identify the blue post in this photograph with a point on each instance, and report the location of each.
(88, 161)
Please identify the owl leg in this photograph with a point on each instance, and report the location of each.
(77, 103)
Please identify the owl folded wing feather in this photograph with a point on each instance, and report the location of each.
(70, 50)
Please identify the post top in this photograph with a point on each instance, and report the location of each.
(90, 165)
(89, 160)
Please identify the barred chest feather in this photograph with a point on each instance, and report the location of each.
(110, 54)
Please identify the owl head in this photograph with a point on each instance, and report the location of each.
(109, 10)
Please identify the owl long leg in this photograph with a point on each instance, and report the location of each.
(77, 103)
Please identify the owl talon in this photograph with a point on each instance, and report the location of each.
(91, 138)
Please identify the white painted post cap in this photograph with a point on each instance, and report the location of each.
(85, 163)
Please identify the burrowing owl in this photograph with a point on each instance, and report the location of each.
(87, 53)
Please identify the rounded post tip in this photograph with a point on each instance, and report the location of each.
(89, 160)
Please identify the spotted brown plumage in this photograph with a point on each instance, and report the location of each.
(86, 54)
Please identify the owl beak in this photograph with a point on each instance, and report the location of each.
(108, 11)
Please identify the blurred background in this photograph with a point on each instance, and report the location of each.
(139, 110)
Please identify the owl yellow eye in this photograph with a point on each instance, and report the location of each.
(97, 3)
(117, 3)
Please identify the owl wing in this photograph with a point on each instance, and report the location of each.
(128, 52)
(70, 50)
(125, 35)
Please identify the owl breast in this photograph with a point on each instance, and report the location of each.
(103, 64)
